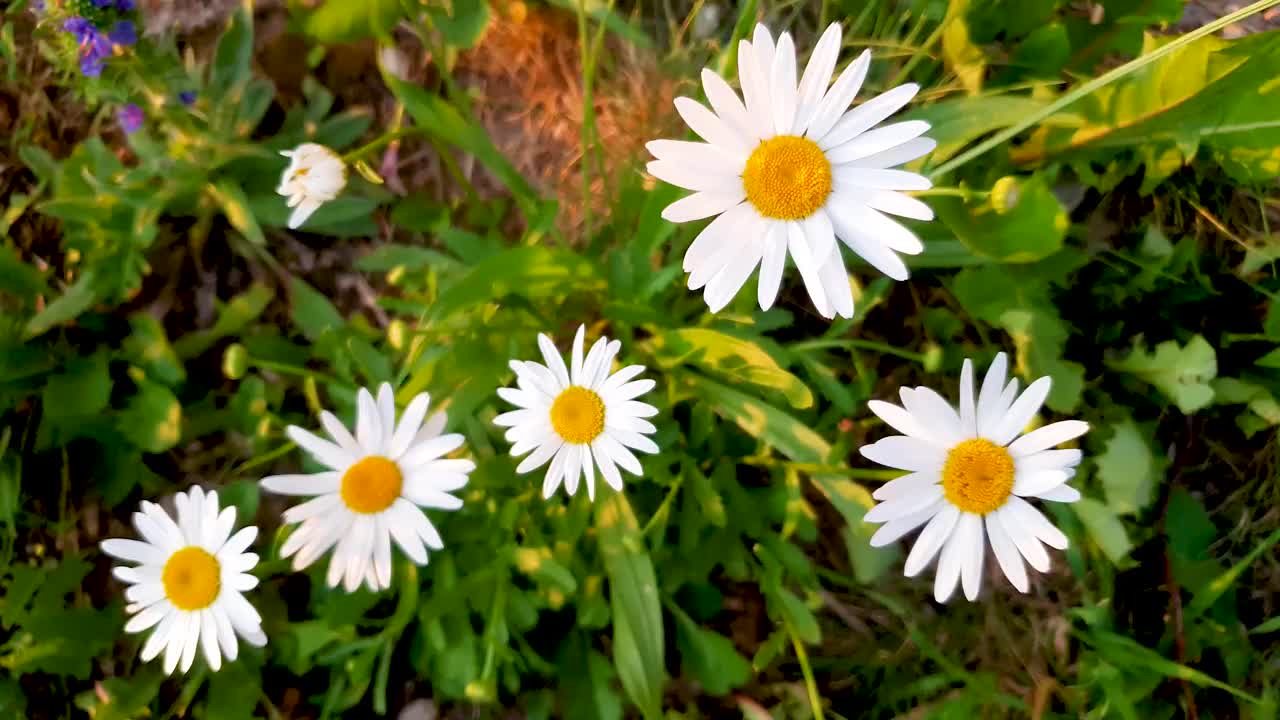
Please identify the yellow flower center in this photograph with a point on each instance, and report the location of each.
(371, 485)
(978, 476)
(787, 177)
(578, 415)
(191, 578)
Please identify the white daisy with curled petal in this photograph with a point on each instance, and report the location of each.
(578, 417)
(791, 170)
(971, 474)
(188, 580)
(373, 491)
(316, 175)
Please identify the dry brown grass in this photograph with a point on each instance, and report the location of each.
(527, 71)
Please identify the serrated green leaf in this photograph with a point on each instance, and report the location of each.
(638, 636)
(1181, 373)
(734, 358)
(1017, 300)
(1129, 469)
(709, 656)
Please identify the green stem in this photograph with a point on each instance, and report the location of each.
(665, 508)
(379, 142)
(1096, 84)
(295, 370)
(810, 685)
(817, 469)
(863, 344)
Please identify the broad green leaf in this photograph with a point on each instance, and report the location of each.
(232, 318)
(1130, 652)
(313, 314)
(1260, 402)
(235, 206)
(736, 359)
(13, 703)
(1017, 300)
(436, 116)
(19, 278)
(709, 656)
(463, 23)
(342, 22)
(82, 294)
(152, 419)
(233, 693)
(1191, 532)
(962, 56)
(1021, 221)
(232, 62)
(764, 421)
(1105, 528)
(148, 347)
(83, 388)
(1129, 468)
(637, 614)
(536, 273)
(587, 683)
(1181, 373)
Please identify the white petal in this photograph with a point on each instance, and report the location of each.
(610, 448)
(896, 203)
(575, 354)
(838, 97)
(934, 413)
(904, 153)
(410, 423)
(555, 473)
(724, 231)
(989, 395)
(386, 416)
(226, 634)
(588, 471)
(1020, 413)
(148, 617)
(817, 76)
(1006, 553)
(404, 535)
(968, 415)
(868, 115)
(193, 642)
(904, 453)
(951, 563)
(800, 247)
(871, 223)
(851, 177)
(724, 101)
(608, 470)
(382, 551)
(782, 85)
(539, 457)
(304, 210)
(554, 360)
(238, 543)
(702, 157)
(906, 485)
(931, 540)
(702, 205)
(1026, 542)
(325, 452)
(775, 258)
(309, 484)
(835, 281)
(899, 419)
(729, 280)
(1033, 521)
(1037, 482)
(312, 508)
(877, 141)
(975, 552)
(711, 128)
(895, 529)
(176, 641)
(1061, 493)
(1049, 460)
(572, 468)
(1046, 437)
(209, 639)
(340, 434)
(904, 505)
(134, 551)
(430, 450)
(690, 177)
(863, 244)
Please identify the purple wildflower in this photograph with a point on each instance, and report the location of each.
(123, 33)
(79, 27)
(103, 3)
(187, 97)
(94, 50)
(124, 5)
(130, 117)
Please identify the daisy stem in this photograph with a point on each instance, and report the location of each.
(665, 508)
(378, 143)
(1096, 84)
(295, 370)
(815, 469)
(810, 685)
(863, 344)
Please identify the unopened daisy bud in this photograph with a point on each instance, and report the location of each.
(315, 176)
(1004, 194)
(235, 361)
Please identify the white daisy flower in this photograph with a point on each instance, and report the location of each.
(188, 581)
(578, 417)
(790, 171)
(315, 176)
(970, 476)
(372, 492)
